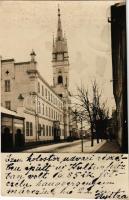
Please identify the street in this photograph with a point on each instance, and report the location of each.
(76, 147)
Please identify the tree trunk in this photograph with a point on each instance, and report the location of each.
(92, 137)
(97, 139)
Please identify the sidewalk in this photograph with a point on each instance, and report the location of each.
(102, 147)
(109, 147)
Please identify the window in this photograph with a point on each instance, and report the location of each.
(8, 105)
(60, 79)
(49, 96)
(52, 113)
(43, 108)
(46, 93)
(7, 85)
(31, 129)
(42, 90)
(38, 87)
(39, 129)
(46, 111)
(60, 95)
(49, 112)
(39, 107)
(43, 130)
(52, 131)
(49, 130)
(27, 128)
(46, 130)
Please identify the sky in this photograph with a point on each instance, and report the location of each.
(27, 25)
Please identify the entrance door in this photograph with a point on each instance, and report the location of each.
(6, 140)
(56, 134)
(19, 139)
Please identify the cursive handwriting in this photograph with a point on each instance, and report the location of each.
(89, 176)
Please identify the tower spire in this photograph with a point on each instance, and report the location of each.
(59, 27)
(60, 50)
(60, 60)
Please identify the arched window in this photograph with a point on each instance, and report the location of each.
(60, 79)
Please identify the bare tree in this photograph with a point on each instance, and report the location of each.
(92, 107)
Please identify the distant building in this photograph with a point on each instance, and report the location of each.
(46, 109)
(119, 66)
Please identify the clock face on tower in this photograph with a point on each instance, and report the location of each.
(59, 57)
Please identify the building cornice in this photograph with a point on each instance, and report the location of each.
(23, 63)
(8, 60)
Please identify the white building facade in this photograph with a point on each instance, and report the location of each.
(24, 90)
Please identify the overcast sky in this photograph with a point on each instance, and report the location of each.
(30, 25)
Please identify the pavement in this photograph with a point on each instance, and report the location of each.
(109, 147)
(76, 147)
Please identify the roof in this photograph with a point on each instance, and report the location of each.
(120, 4)
(10, 112)
(22, 63)
(8, 60)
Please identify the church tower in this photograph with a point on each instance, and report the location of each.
(60, 61)
(60, 64)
